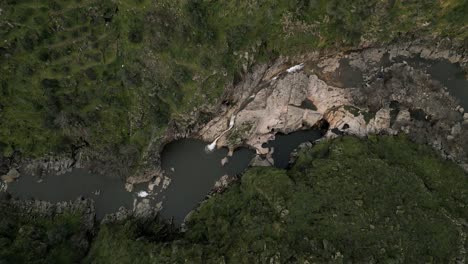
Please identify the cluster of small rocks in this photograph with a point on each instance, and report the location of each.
(11, 176)
(50, 165)
(143, 209)
(223, 183)
(3, 187)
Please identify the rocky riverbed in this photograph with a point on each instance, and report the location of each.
(364, 92)
(372, 90)
(369, 90)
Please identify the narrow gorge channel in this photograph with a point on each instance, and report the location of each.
(190, 173)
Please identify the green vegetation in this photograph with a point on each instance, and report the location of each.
(383, 200)
(31, 238)
(111, 75)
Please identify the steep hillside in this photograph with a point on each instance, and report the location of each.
(101, 81)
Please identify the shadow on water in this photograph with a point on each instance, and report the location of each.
(451, 75)
(194, 173)
(283, 145)
(70, 186)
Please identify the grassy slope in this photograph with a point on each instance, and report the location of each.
(384, 199)
(111, 74)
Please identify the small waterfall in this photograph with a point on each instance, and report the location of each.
(231, 123)
(295, 68)
(211, 147)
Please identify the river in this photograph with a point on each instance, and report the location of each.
(193, 173)
(192, 170)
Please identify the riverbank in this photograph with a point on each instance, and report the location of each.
(414, 209)
(109, 99)
(394, 89)
(332, 66)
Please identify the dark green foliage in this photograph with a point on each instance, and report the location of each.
(130, 241)
(384, 200)
(30, 238)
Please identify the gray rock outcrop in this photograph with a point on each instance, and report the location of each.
(369, 91)
(11, 176)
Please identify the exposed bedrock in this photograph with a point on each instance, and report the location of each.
(365, 92)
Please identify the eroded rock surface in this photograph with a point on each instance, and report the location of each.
(51, 165)
(371, 91)
(11, 176)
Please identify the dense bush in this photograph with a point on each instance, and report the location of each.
(384, 200)
(30, 238)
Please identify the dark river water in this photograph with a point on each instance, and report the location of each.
(283, 145)
(69, 186)
(451, 75)
(193, 171)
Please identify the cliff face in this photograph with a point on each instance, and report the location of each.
(363, 92)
